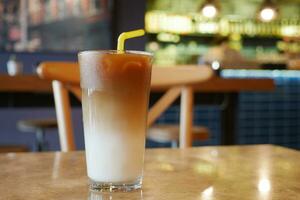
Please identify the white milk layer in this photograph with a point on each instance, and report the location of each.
(114, 131)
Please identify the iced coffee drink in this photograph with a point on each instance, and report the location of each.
(115, 93)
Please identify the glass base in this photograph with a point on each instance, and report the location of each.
(115, 187)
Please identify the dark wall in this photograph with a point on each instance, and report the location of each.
(73, 34)
(129, 15)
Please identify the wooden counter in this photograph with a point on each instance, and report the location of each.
(32, 83)
(236, 85)
(228, 86)
(257, 172)
(24, 83)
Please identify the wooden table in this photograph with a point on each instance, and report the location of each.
(24, 83)
(230, 90)
(218, 84)
(32, 83)
(257, 172)
(230, 87)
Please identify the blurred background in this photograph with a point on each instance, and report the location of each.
(248, 38)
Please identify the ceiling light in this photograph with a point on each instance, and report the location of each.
(268, 11)
(267, 14)
(209, 9)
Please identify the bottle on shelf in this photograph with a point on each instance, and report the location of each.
(14, 67)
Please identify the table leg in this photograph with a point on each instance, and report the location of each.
(229, 119)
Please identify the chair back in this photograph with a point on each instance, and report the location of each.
(176, 81)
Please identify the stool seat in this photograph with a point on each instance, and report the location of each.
(33, 125)
(38, 126)
(170, 132)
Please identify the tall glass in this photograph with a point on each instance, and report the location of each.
(115, 94)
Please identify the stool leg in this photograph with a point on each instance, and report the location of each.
(174, 143)
(186, 117)
(40, 140)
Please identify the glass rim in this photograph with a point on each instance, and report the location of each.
(145, 53)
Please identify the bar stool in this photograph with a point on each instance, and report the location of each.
(38, 127)
(164, 133)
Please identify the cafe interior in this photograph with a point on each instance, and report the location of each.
(223, 100)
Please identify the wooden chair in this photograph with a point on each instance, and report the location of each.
(175, 81)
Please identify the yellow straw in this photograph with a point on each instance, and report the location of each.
(127, 35)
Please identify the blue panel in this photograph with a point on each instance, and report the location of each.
(270, 117)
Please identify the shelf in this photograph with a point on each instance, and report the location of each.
(194, 24)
